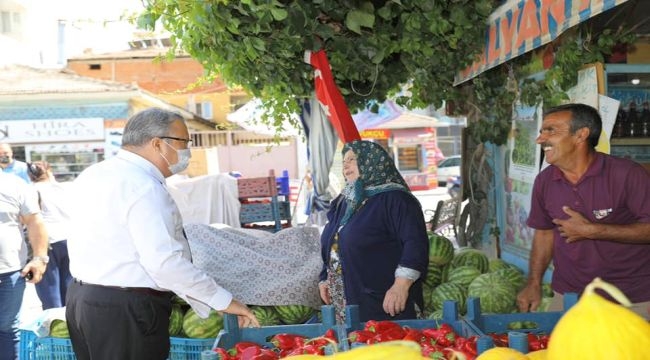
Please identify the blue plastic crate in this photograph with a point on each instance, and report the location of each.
(48, 348)
(44, 348)
(259, 212)
(232, 333)
(484, 324)
(498, 323)
(188, 349)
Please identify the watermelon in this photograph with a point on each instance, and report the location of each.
(176, 320)
(463, 275)
(434, 276)
(498, 264)
(449, 291)
(426, 294)
(59, 329)
(435, 315)
(197, 328)
(266, 315)
(544, 304)
(513, 276)
(445, 273)
(496, 294)
(472, 257)
(441, 249)
(294, 314)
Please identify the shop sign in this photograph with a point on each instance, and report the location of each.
(51, 130)
(517, 27)
(377, 134)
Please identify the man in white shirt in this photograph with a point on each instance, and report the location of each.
(128, 251)
(18, 208)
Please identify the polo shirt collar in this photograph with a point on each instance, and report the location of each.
(142, 163)
(595, 168)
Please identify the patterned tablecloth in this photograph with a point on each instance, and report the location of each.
(258, 267)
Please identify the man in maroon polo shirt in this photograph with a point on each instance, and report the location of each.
(590, 212)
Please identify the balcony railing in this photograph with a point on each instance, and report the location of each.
(230, 138)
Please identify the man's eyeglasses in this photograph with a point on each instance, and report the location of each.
(187, 141)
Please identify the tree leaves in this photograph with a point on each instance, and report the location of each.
(374, 47)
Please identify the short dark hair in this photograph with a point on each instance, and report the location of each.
(38, 171)
(582, 116)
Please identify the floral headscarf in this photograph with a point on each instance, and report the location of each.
(377, 174)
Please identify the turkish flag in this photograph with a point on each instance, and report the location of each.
(330, 98)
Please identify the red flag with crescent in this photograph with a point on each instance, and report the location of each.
(330, 98)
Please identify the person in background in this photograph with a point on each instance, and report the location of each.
(128, 251)
(53, 201)
(590, 212)
(11, 165)
(18, 208)
(375, 246)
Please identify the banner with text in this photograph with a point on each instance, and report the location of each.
(519, 26)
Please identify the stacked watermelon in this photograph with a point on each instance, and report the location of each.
(196, 327)
(467, 272)
(176, 320)
(266, 315)
(496, 293)
(59, 329)
(294, 314)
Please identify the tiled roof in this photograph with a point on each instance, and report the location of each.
(24, 80)
(148, 53)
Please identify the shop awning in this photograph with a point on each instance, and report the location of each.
(519, 26)
(392, 116)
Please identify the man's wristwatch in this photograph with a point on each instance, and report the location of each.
(44, 259)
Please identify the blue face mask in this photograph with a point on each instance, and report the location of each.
(184, 156)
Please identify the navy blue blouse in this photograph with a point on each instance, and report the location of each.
(389, 230)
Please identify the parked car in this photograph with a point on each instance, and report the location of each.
(447, 168)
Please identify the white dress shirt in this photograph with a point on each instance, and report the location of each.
(54, 208)
(127, 231)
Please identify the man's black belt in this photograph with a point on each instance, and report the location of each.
(142, 290)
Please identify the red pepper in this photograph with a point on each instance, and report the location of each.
(265, 354)
(248, 353)
(543, 340)
(455, 354)
(413, 335)
(223, 353)
(500, 339)
(243, 345)
(286, 341)
(446, 328)
(380, 326)
(307, 349)
(537, 342)
(331, 334)
(442, 337)
(360, 336)
(467, 345)
(432, 351)
(396, 333)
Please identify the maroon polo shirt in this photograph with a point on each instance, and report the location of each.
(612, 191)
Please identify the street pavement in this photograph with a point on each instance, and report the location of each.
(31, 307)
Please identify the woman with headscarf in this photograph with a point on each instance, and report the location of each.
(375, 246)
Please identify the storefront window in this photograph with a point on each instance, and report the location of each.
(409, 158)
(66, 161)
